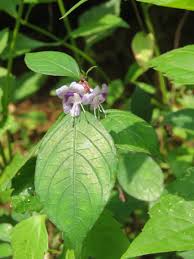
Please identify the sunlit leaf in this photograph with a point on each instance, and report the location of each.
(5, 232)
(53, 63)
(170, 228)
(177, 65)
(75, 173)
(143, 47)
(29, 238)
(5, 250)
(186, 4)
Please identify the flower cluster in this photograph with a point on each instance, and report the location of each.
(76, 95)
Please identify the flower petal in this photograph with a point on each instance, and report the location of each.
(75, 111)
(60, 92)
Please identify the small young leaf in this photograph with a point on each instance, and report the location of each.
(4, 34)
(186, 4)
(131, 132)
(5, 232)
(29, 238)
(177, 64)
(143, 48)
(53, 63)
(140, 176)
(75, 173)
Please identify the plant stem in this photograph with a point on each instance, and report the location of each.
(67, 45)
(150, 27)
(9, 140)
(4, 160)
(67, 26)
(11, 55)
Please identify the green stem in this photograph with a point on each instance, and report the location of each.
(9, 141)
(2, 153)
(162, 84)
(11, 56)
(67, 45)
(67, 26)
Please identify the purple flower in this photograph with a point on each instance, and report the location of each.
(71, 97)
(96, 96)
(78, 94)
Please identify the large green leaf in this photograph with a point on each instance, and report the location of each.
(106, 22)
(140, 176)
(177, 64)
(181, 119)
(106, 240)
(170, 228)
(53, 63)
(75, 173)
(29, 238)
(130, 132)
(186, 4)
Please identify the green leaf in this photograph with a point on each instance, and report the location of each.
(181, 119)
(94, 14)
(29, 238)
(186, 255)
(131, 132)
(24, 203)
(116, 89)
(107, 22)
(4, 34)
(183, 186)
(27, 85)
(180, 159)
(170, 228)
(73, 8)
(70, 254)
(106, 240)
(143, 47)
(5, 250)
(11, 170)
(177, 64)
(121, 210)
(53, 63)
(75, 173)
(186, 4)
(9, 6)
(5, 232)
(140, 176)
(8, 123)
